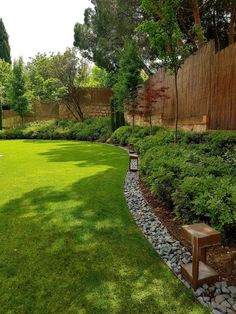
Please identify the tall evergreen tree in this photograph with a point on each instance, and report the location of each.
(128, 79)
(19, 101)
(5, 53)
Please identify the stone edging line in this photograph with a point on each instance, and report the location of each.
(220, 297)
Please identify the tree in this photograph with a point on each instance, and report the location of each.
(97, 77)
(197, 21)
(147, 98)
(4, 44)
(167, 39)
(128, 80)
(2, 98)
(18, 92)
(5, 79)
(102, 36)
(41, 83)
(232, 31)
(58, 76)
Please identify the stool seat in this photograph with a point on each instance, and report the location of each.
(205, 235)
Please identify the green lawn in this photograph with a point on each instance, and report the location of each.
(68, 243)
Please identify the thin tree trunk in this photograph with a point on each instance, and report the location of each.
(150, 121)
(217, 40)
(232, 24)
(77, 107)
(113, 118)
(22, 121)
(1, 114)
(133, 122)
(186, 30)
(176, 107)
(71, 111)
(197, 21)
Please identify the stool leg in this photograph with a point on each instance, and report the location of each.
(195, 264)
(202, 254)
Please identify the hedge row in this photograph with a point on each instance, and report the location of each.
(195, 178)
(90, 130)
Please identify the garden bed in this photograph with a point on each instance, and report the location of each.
(218, 257)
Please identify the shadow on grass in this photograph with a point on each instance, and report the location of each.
(88, 154)
(77, 250)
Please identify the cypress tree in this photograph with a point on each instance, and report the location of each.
(4, 54)
(19, 101)
(4, 44)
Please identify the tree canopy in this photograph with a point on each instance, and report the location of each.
(97, 77)
(18, 91)
(5, 52)
(102, 37)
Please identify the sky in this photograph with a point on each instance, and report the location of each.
(41, 25)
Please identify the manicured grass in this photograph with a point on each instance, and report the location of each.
(68, 243)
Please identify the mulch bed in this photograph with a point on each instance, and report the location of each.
(218, 257)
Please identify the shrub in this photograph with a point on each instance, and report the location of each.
(126, 134)
(162, 168)
(193, 138)
(220, 143)
(206, 199)
(121, 135)
(160, 138)
(90, 130)
(11, 134)
(196, 185)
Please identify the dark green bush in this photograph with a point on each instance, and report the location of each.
(197, 185)
(162, 167)
(89, 130)
(208, 199)
(193, 137)
(126, 134)
(220, 143)
(121, 135)
(11, 134)
(160, 138)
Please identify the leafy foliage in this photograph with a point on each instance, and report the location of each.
(5, 79)
(167, 39)
(58, 76)
(195, 178)
(128, 78)
(147, 97)
(18, 91)
(97, 77)
(101, 38)
(5, 53)
(89, 130)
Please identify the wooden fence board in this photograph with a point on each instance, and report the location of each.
(207, 90)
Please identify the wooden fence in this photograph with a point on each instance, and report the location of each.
(207, 92)
(94, 102)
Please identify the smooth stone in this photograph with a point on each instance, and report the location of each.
(226, 304)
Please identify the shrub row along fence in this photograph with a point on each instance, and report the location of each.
(207, 92)
(94, 102)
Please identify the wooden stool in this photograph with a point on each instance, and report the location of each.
(131, 148)
(133, 162)
(198, 272)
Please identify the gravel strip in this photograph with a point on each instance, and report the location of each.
(220, 297)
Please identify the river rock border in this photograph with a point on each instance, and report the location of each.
(220, 297)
